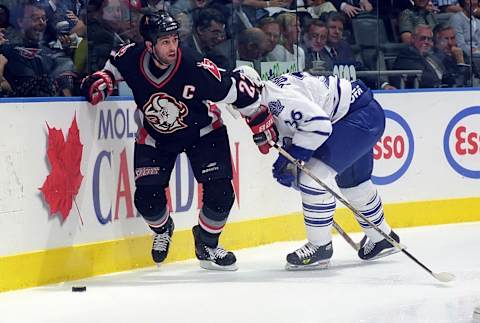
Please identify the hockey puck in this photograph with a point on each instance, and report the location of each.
(79, 288)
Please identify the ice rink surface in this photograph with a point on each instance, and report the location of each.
(390, 290)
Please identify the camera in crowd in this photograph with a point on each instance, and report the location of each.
(64, 28)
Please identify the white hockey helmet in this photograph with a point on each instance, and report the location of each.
(252, 75)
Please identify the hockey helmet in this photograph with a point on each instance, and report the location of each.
(251, 74)
(159, 24)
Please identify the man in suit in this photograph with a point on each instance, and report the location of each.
(316, 40)
(338, 50)
(418, 56)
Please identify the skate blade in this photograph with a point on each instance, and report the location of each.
(385, 253)
(208, 265)
(314, 266)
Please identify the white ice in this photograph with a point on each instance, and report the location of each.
(390, 290)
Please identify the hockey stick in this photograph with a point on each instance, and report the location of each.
(353, 244)
(442, 276)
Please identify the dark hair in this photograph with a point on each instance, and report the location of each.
(7, 14)
(20, 10)
(204, 16)
(95, 5)
(317, 23)
(266, 21)
(439, 28)
(334, 16)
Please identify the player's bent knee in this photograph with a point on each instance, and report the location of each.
(322, 171)
(218, 197)
(362, 193)
(150, 201)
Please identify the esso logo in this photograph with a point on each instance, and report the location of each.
(393, 153)
(461, 142)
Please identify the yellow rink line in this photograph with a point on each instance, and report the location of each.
(86, 260)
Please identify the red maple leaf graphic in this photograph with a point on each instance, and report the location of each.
(63, 183)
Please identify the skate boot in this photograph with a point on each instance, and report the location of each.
(213, 258)
(373, 250)
(310, 257)
(161, 242)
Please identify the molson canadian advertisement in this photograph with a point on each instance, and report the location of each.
(67, 183)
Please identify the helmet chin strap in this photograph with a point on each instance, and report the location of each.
(157, 59)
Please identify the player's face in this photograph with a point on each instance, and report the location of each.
(165, 50)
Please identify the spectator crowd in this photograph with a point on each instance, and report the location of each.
(48, 46)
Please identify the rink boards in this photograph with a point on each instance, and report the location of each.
(427, 170)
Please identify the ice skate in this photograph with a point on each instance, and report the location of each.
(213, 258)
(310, 257)
(161, 243)
(374, 250)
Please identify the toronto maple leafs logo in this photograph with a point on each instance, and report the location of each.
(164, 113)
(275, 107)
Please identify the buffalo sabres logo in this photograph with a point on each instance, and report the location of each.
(164, 113)
(28, 53)
(123, 50)
(211, 67)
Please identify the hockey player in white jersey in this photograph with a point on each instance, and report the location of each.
(332, 125)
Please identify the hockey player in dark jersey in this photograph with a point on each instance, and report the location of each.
(171, 89)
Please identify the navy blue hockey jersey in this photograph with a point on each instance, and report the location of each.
(174, 101)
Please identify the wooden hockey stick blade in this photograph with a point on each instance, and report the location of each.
(444, 277)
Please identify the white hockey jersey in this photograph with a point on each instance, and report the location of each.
(305, 107)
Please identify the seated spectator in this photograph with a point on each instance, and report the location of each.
(185, 9)
(149, 5)
(410, 18)
(69, 14)
(315, 41)
(101, 35)
(250, 45)
(288, 50)
(317, 7)
(338, 50)
(256, 10)
(353, 7)
(462, 24)
(7, 31)
(451, 6)
(271, 28)
(31, 69)
(418, 56)
(451, 56)
(208, 31)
